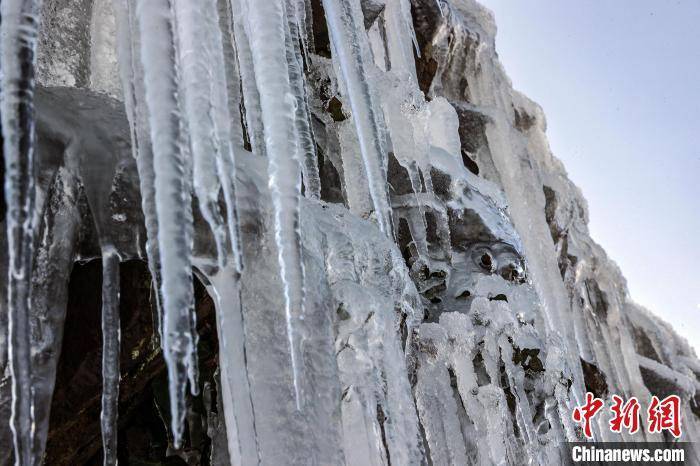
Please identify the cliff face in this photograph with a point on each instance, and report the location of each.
(461, 325)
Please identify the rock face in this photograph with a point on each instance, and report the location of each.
(467, 336)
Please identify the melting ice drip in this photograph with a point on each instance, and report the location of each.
(183, 65)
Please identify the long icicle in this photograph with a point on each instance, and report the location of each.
(197, 56)
(303, 15)
(307, 146)
(188, 226)
(111, 336)
(226, 125)
(206, 115)
(18, 31)
(251, 96)
(346, 34)
(172, 198)
(131, 72)
(267, 32)
(232, 72)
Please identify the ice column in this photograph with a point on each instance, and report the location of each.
(18, 30)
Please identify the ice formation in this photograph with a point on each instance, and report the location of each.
(110, 353)
(334, 220)
(17, 62)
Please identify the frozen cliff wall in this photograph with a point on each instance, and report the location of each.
(432, 297)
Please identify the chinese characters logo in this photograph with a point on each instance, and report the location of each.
(661, 414)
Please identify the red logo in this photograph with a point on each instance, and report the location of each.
(585, 413)
(661, 415)
(665, 415)
(626, 415)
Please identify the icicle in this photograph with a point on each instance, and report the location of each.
(346, 34)
(172, 199)
(111, 337)
(233, 78)
(251, 96)
(125, 38)
(3, 310)
(207, 116)
(516, 378)
(188, 226)
(408, 24)
(227, 172)
(303, 10)
(131, 72)
(18, 30)
(307, 146)
(238, 409)
(229, 120)
(198, 58)
(399, 38)
(267, 26)
(440, 7)
(227, 127)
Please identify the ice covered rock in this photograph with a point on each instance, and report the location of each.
(438, 298)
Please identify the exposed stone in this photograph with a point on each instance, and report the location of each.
(371, 9)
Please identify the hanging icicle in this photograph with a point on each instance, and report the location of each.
(232, 72)
(347, 35)
(111, 336)
(307, 146)
(172, 200)
(196, 24)
(302, 15)
(228, 133)
(131, 71)
(267, 24)
(251, 96)
(18, 31)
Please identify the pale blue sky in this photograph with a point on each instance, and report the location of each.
(619, 82)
